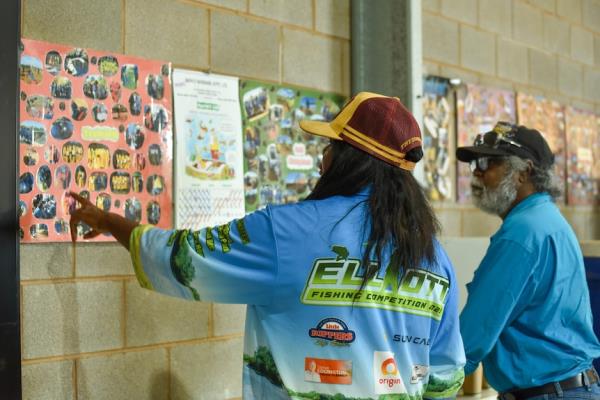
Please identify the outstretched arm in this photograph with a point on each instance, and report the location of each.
(100, 222)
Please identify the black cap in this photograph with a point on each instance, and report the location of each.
(507, 139)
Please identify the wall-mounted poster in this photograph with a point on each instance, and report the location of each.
(583, 157)
(438, 134)
(98, 124)
(548, 117)
(478, 110)
(210, 182)
(281, 162)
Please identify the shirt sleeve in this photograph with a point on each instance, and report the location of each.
(232, 263)
(446, 357)
(493, 298)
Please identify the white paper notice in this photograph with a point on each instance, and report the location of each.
(208, 162)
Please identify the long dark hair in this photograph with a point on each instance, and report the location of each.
(401, 216)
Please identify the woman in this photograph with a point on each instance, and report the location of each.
(351, 280)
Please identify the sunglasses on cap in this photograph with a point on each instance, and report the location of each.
(482, 164)
(503, 133)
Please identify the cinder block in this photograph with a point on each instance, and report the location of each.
(156, 318)
(496, 16)
(498, 83)
(556, 35)
(430, 68)
(582, 45)
(546, 5)
(71, 318)
(597, 50)
(240, 5)
(451, 221)
(462, 10)
(528, 25)
(440, 39)
(229, 319)
(463, 75)
(570, 77)
(333, 17)
(432, 5)
(297, 12)
(167, 30)
(346, 68)
(256, 47)
(478, 50)
(192, 378)
(591, 84)
(125, 376)
(45, 261)
(570, 9)
(478, 223)
(49, 380)
(312, 61)
(542, 69)
(81, 23)
(102, 259)
(591, 14)
(513, 61)
(578, 221)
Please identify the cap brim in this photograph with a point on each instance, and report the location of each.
(469, 153)
(319, 128)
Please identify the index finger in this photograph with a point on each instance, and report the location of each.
(80, 199)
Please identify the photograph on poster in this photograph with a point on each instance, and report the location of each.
(281, 162)
(478, 108)
(82, 129)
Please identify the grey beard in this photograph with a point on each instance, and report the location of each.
(495, 201)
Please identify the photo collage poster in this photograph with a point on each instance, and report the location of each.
(478, 108)
(548, 117)
(98, 124)
(209, 162)
(583, 157)
(438, 137)
(281, 162)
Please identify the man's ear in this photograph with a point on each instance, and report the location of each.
(524, 176)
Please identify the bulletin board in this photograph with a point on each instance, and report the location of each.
(281, 162)
(548, 117)
(478, 108)
(96, 123)
(583, 157)
(438, 138)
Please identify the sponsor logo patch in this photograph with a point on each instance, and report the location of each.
(332, 330)
(386, 375)
(321, 370)
(419, 372)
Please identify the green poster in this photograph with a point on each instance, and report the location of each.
(281, 162)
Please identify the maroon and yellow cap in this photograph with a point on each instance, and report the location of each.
(374, 123)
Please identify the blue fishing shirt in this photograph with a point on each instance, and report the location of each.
(310, 331)
(528, 315)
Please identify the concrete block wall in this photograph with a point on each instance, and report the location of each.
(88, 330)
(543, 47)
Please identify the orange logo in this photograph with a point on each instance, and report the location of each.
(388, 367)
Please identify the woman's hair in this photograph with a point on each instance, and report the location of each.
(401, 217)
(542, 179)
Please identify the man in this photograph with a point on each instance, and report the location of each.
(528, 315)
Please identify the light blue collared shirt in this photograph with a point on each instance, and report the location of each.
(528, 315)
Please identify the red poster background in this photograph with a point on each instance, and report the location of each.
(163, 138)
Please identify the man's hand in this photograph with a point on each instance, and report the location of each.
(89, 214)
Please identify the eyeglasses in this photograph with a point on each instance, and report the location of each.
(482, 164)
(504, 132)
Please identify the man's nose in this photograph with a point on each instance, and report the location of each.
(478, 173)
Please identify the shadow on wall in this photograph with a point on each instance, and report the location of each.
(159, 379)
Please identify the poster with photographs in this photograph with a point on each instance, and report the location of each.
(548, 117)
(98, 124)
(438, 134)
(583, 157)
(209, 167)
(281, 162)
(478, 108)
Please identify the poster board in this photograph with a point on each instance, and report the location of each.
(281, 162)
(96, 123)
(548, 117)
(209, 163)
(438, 138)
(478, 109)
(583, 157)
